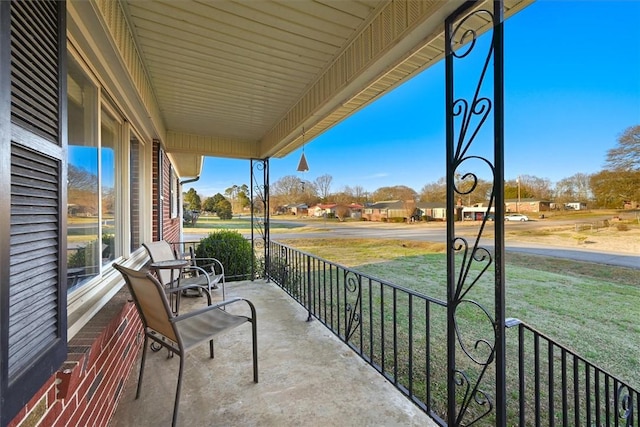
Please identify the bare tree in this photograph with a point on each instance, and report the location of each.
(356, 194)
(359, 194)
(626, 155)
(536, 187)
(574, 188)
(343, 197)
(434, 191)
(323, 186)
(291, 189)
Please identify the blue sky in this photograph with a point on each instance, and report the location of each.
(572, 86)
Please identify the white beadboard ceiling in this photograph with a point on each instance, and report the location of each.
(242, 79)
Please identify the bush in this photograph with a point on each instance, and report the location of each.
(622, 226)
(230, 248)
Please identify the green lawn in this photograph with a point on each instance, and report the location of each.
(593, 309)
(213, 222)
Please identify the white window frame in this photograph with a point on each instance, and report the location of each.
(86, 301)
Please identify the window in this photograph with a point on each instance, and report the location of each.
(110, 135)
(83, 216)
(94, 235)
(173, 185)
(136, 168)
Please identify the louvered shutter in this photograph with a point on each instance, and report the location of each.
(33, 175)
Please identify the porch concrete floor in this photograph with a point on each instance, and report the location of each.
(308, 377)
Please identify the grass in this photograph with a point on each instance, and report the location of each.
(212, 223)
(590, 308)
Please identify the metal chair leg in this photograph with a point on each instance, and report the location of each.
(144, 358)
(254, 336)
(174, 422)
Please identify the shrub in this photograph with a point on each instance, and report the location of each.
(230, 248)
(622, 226)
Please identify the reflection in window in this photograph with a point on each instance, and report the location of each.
(109, 132)
(83, 220)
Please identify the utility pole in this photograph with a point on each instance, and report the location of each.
(518, 204)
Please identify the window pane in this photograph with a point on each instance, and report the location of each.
(110, 133)
(134, 195)
(82, 183)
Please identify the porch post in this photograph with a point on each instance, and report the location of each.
(471, 376)
(498, 190)
(259, 194)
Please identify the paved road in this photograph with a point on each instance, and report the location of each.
(437, 233)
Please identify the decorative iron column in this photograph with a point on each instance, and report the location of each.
(475, 330)
(259, 195)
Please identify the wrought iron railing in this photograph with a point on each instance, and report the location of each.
(557, 387)
(390, 327)
(402, 334)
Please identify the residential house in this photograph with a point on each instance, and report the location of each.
(576, 206)
(323, 210)
(386, 210)
(431, 211)
(336, 210)
(477, 213)
(300, 209)
(528, 205)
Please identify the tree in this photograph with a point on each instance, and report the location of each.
(396, 192)
(243, 197)
(209, 205)
(626, 155)
(323, 185)
(472, 191)
(435, 191)
(223, 209)
(612, 189)
(515, 190)
(576, 188)
(82, 191)
(535, 187)
(291, 189)
(356, 194)
(192, 200)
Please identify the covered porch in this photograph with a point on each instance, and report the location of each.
(307, 377)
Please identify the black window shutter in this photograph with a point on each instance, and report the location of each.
(33, 318)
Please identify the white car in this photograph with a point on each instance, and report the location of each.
(516, 217)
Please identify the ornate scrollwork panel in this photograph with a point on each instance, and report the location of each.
(353, 297)
(474, 326)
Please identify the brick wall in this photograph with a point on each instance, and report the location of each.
(86, 389)
(170, 226)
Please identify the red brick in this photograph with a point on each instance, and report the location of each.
(54, 412)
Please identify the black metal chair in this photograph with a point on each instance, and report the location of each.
(184, 332)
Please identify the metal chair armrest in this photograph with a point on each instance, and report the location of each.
(214, 261)
(214, 306)
(185, 287)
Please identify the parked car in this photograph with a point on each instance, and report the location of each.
(516, 217)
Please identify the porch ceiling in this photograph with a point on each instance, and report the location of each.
(242, 79)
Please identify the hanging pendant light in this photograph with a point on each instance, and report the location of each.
(302, 165)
